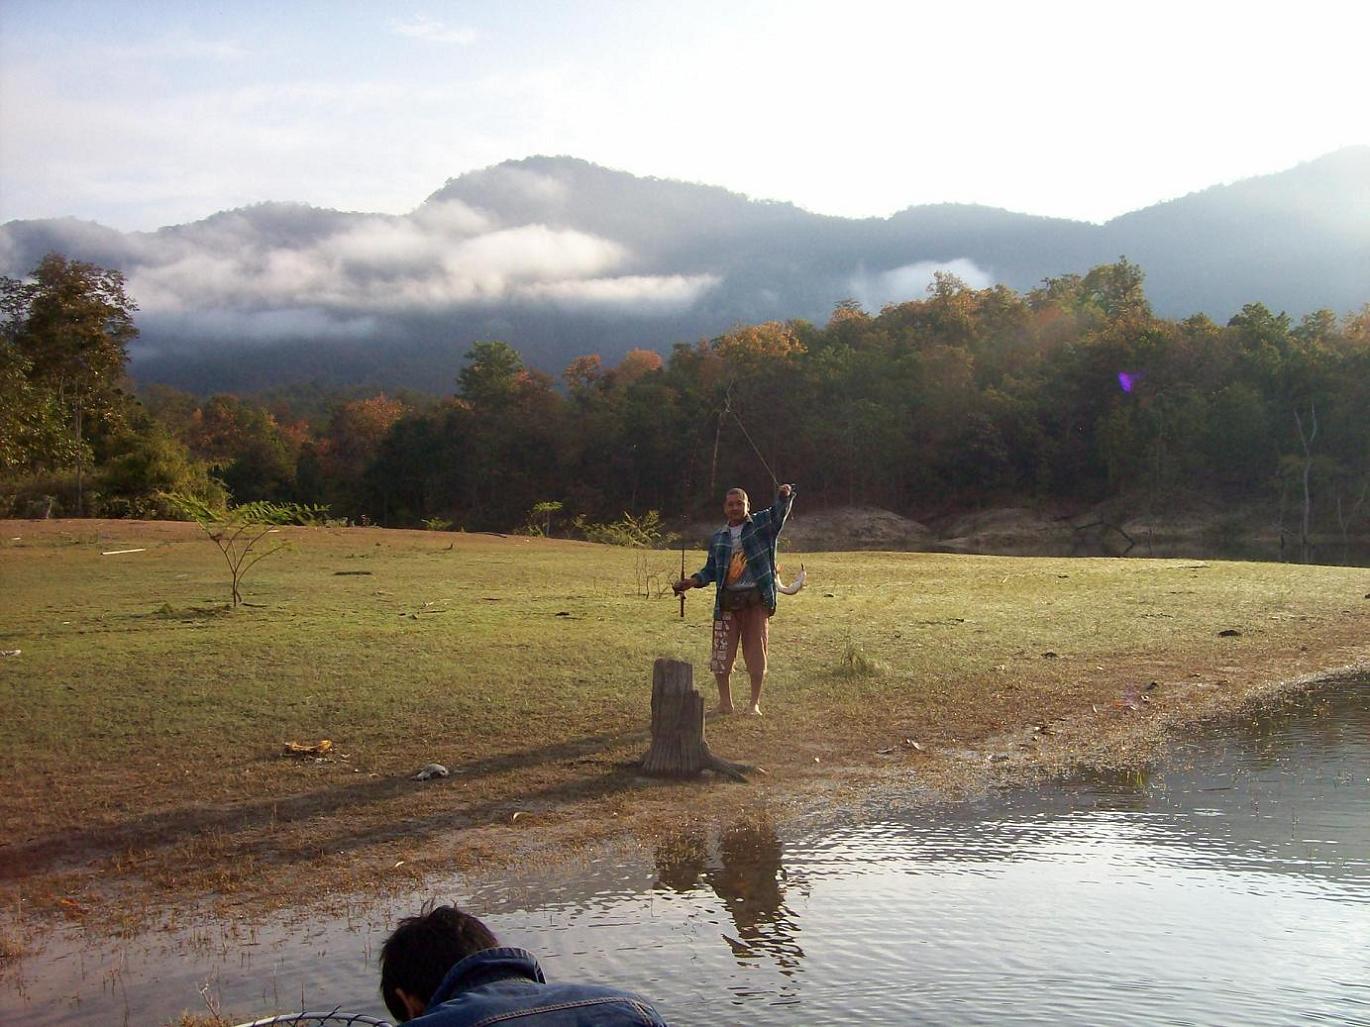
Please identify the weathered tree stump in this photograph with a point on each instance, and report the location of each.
(678, 745)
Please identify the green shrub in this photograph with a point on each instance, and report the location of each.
(645, 532)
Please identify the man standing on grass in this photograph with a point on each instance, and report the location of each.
(742, 566)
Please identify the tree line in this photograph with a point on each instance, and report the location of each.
(1071, 393)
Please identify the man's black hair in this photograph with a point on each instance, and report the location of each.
(417, 956)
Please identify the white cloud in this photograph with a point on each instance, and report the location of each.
(876, 289)
(659, 293)
(422, 27)
(535, 252)
(452, 217)
(192, 281)
(386, 245)
(424, 263)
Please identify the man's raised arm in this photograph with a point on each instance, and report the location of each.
(780, 512)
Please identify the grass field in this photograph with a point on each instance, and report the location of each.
(144, 722)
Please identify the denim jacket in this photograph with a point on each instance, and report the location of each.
(506, 986)
(759, 534)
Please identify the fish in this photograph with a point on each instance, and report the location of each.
(794, 586)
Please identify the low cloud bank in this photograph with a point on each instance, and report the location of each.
(641, 293)
(876, 289)
(289, 271)
(374, 264)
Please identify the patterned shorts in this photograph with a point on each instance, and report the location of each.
(751, 628)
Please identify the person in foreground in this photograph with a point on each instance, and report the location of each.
(742, 565)
(444, 968)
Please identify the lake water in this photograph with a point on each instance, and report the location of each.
(1230, 886)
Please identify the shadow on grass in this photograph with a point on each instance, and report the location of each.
(166, 829)
(618, 779)
(168, 612)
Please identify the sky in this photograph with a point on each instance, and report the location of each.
(138, 114)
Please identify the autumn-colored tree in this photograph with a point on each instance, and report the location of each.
(847, 311)
(355, 433)
(245, 447)
(584, 374)
(952, 309)
(756, 345)
(635, 364)
(1356, 327)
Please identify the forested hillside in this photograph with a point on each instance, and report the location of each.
(1069, 393)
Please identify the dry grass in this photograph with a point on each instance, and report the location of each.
(142, 747)
(11, 948)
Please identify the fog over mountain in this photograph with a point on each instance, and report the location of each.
(560, 257)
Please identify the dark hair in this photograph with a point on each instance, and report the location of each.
(417, 956)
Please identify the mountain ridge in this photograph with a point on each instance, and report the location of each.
(560, 257)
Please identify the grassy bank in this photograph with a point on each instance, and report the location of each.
(141, 748)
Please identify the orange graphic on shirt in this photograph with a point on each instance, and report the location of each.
(736, 569)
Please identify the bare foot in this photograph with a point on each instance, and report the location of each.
(721, 711)
(754, 710)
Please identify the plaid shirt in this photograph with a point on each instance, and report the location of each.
(759, 534)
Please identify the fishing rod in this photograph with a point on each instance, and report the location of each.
(747, 435)
(728, 409)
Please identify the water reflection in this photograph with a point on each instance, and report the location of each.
(748, 875)
(1229, 885)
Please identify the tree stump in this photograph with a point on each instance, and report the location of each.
(678, 745)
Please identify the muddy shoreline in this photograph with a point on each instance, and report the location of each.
(114, 880)
(197, 939)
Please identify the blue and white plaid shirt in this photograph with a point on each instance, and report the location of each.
(759, 534)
